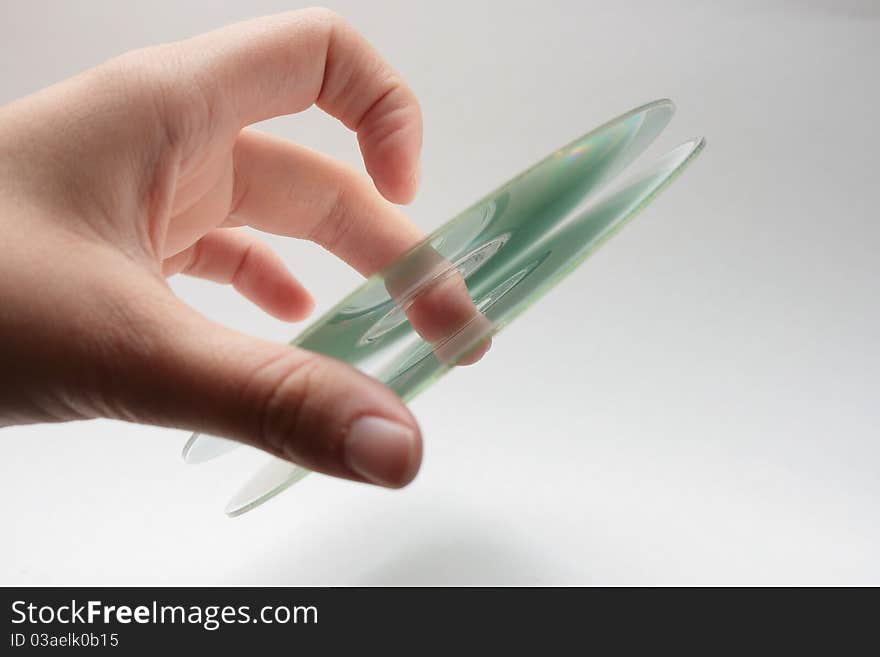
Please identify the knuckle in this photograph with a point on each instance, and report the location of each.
(289, 401)
(250, 255)
(396, 110)
(160, 81)
(331, 228)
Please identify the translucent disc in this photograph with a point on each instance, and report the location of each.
(200, 448)
(440, 303)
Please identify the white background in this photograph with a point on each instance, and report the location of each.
(697, 404)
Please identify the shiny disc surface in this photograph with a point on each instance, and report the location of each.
(440, 303)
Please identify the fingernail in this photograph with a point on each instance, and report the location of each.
(381, 451)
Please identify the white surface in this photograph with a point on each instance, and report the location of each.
(698, 404)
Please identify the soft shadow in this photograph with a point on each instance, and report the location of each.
(441, 546)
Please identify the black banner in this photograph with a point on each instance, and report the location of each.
(135, 620)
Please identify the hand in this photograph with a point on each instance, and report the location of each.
(140, 168)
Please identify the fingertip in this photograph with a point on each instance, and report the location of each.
(476, 354)
(395, 173)
(399, 193)
(294, 304)
(391, 145)
(404, 190)
(417, 174)
(308, 304)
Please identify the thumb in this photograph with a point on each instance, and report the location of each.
(295, 404)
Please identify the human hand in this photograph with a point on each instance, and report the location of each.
(139, 169)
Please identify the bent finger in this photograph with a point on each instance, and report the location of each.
(285, 63)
